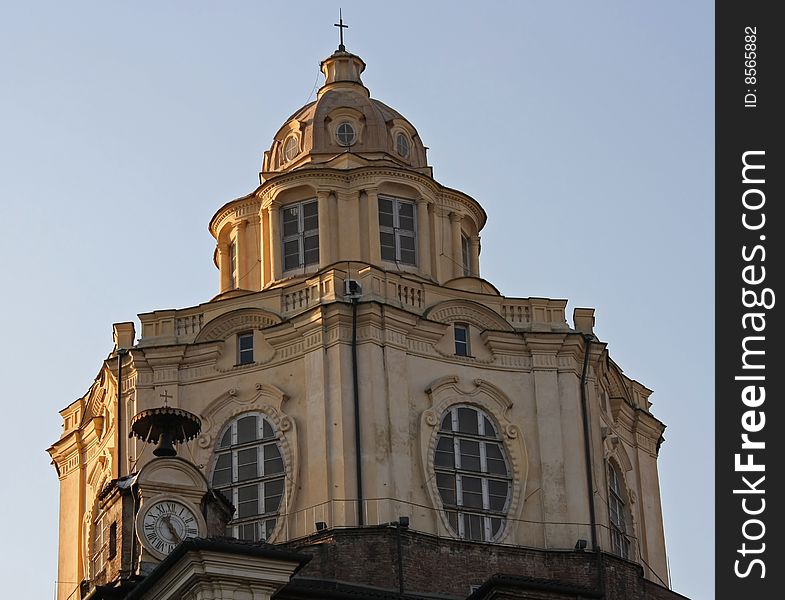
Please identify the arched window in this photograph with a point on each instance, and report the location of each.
(402, 145)
(249, 471)
(290, 148)
(472, 474)
(616, 507)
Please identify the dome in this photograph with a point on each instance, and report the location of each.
(344, 127)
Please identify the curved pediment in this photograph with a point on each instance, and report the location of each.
(466, 311)
(233, 322)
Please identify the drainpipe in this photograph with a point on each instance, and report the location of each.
(357, 446)
(121, 352)
(588, 339)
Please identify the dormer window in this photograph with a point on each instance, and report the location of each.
(402, 145)
(290, 148)
(397, 231)
(345, 134)
(300, 226)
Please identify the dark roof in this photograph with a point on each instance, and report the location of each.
(216, 544)
(500, 580)
(305, 587)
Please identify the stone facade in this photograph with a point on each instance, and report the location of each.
(422, 347)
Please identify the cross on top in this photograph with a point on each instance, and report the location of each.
(166, 396)
(341, 27)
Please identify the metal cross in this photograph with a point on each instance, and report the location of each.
(166, 396)
(341, 27)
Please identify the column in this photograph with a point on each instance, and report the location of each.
(374, 245)
(223, 267)
(474, 255)
(325, 228)
(274, 221)
(456, 254)
(264, 255)
(242, 253)
(423, 236)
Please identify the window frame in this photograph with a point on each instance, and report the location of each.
(244, 335)
(620, 544)
(401, 139)
(396, 231)
(263, 522)
(233, 279)
(301, 236)
(458, 514)
(466, 255)
(100, 543)
(291, 142)
(339, 133)
(465, 344)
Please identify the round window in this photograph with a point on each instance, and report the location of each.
(345, 134)
(290, 149)
(402, 145)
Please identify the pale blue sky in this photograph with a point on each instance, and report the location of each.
(585, 129)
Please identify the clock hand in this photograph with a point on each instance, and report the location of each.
(168, 522)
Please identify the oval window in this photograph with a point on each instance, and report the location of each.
(290, 149)
(472, 474)
(345, 134)
(249, 471)
(402, 145)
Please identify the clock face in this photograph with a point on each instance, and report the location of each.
(166, 524)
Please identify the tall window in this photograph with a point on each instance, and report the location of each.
(397, 231)
(233, 265)
(245, 348)
(619, 543)
(100, 543)
(472, 474)
(467, 266)
(461, 333)
(249, 471)
(300, 234)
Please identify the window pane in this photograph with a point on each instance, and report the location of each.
(248, 532)
(246, 429)
(247, 464)
(291, 251)
(311, 223)
(388, 245)
(470, 455)
(273, 463)
(226, 440)
(495, 459)
(467, 420)
(405, 210)
(408, 257)
(223, 470)
(473, 527)
(447, 422)
(452, 518)
(472, 492)
(407, 243)
(273, 491)
(267, 430)
(446, 485)
(311, 245)
(490, 430)
(291, 220)
(445, 453)
(269, 528)
(496, 525)
(248, 501)
(246, 341)
(385, 213)
(497, 494)
(460, 333)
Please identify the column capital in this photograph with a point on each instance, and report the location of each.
(455, 217)
(420, 200)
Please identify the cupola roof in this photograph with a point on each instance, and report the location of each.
(344, 127)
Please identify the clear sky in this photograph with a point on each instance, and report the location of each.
(585, 129)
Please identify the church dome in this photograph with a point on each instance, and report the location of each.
(344, 127)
